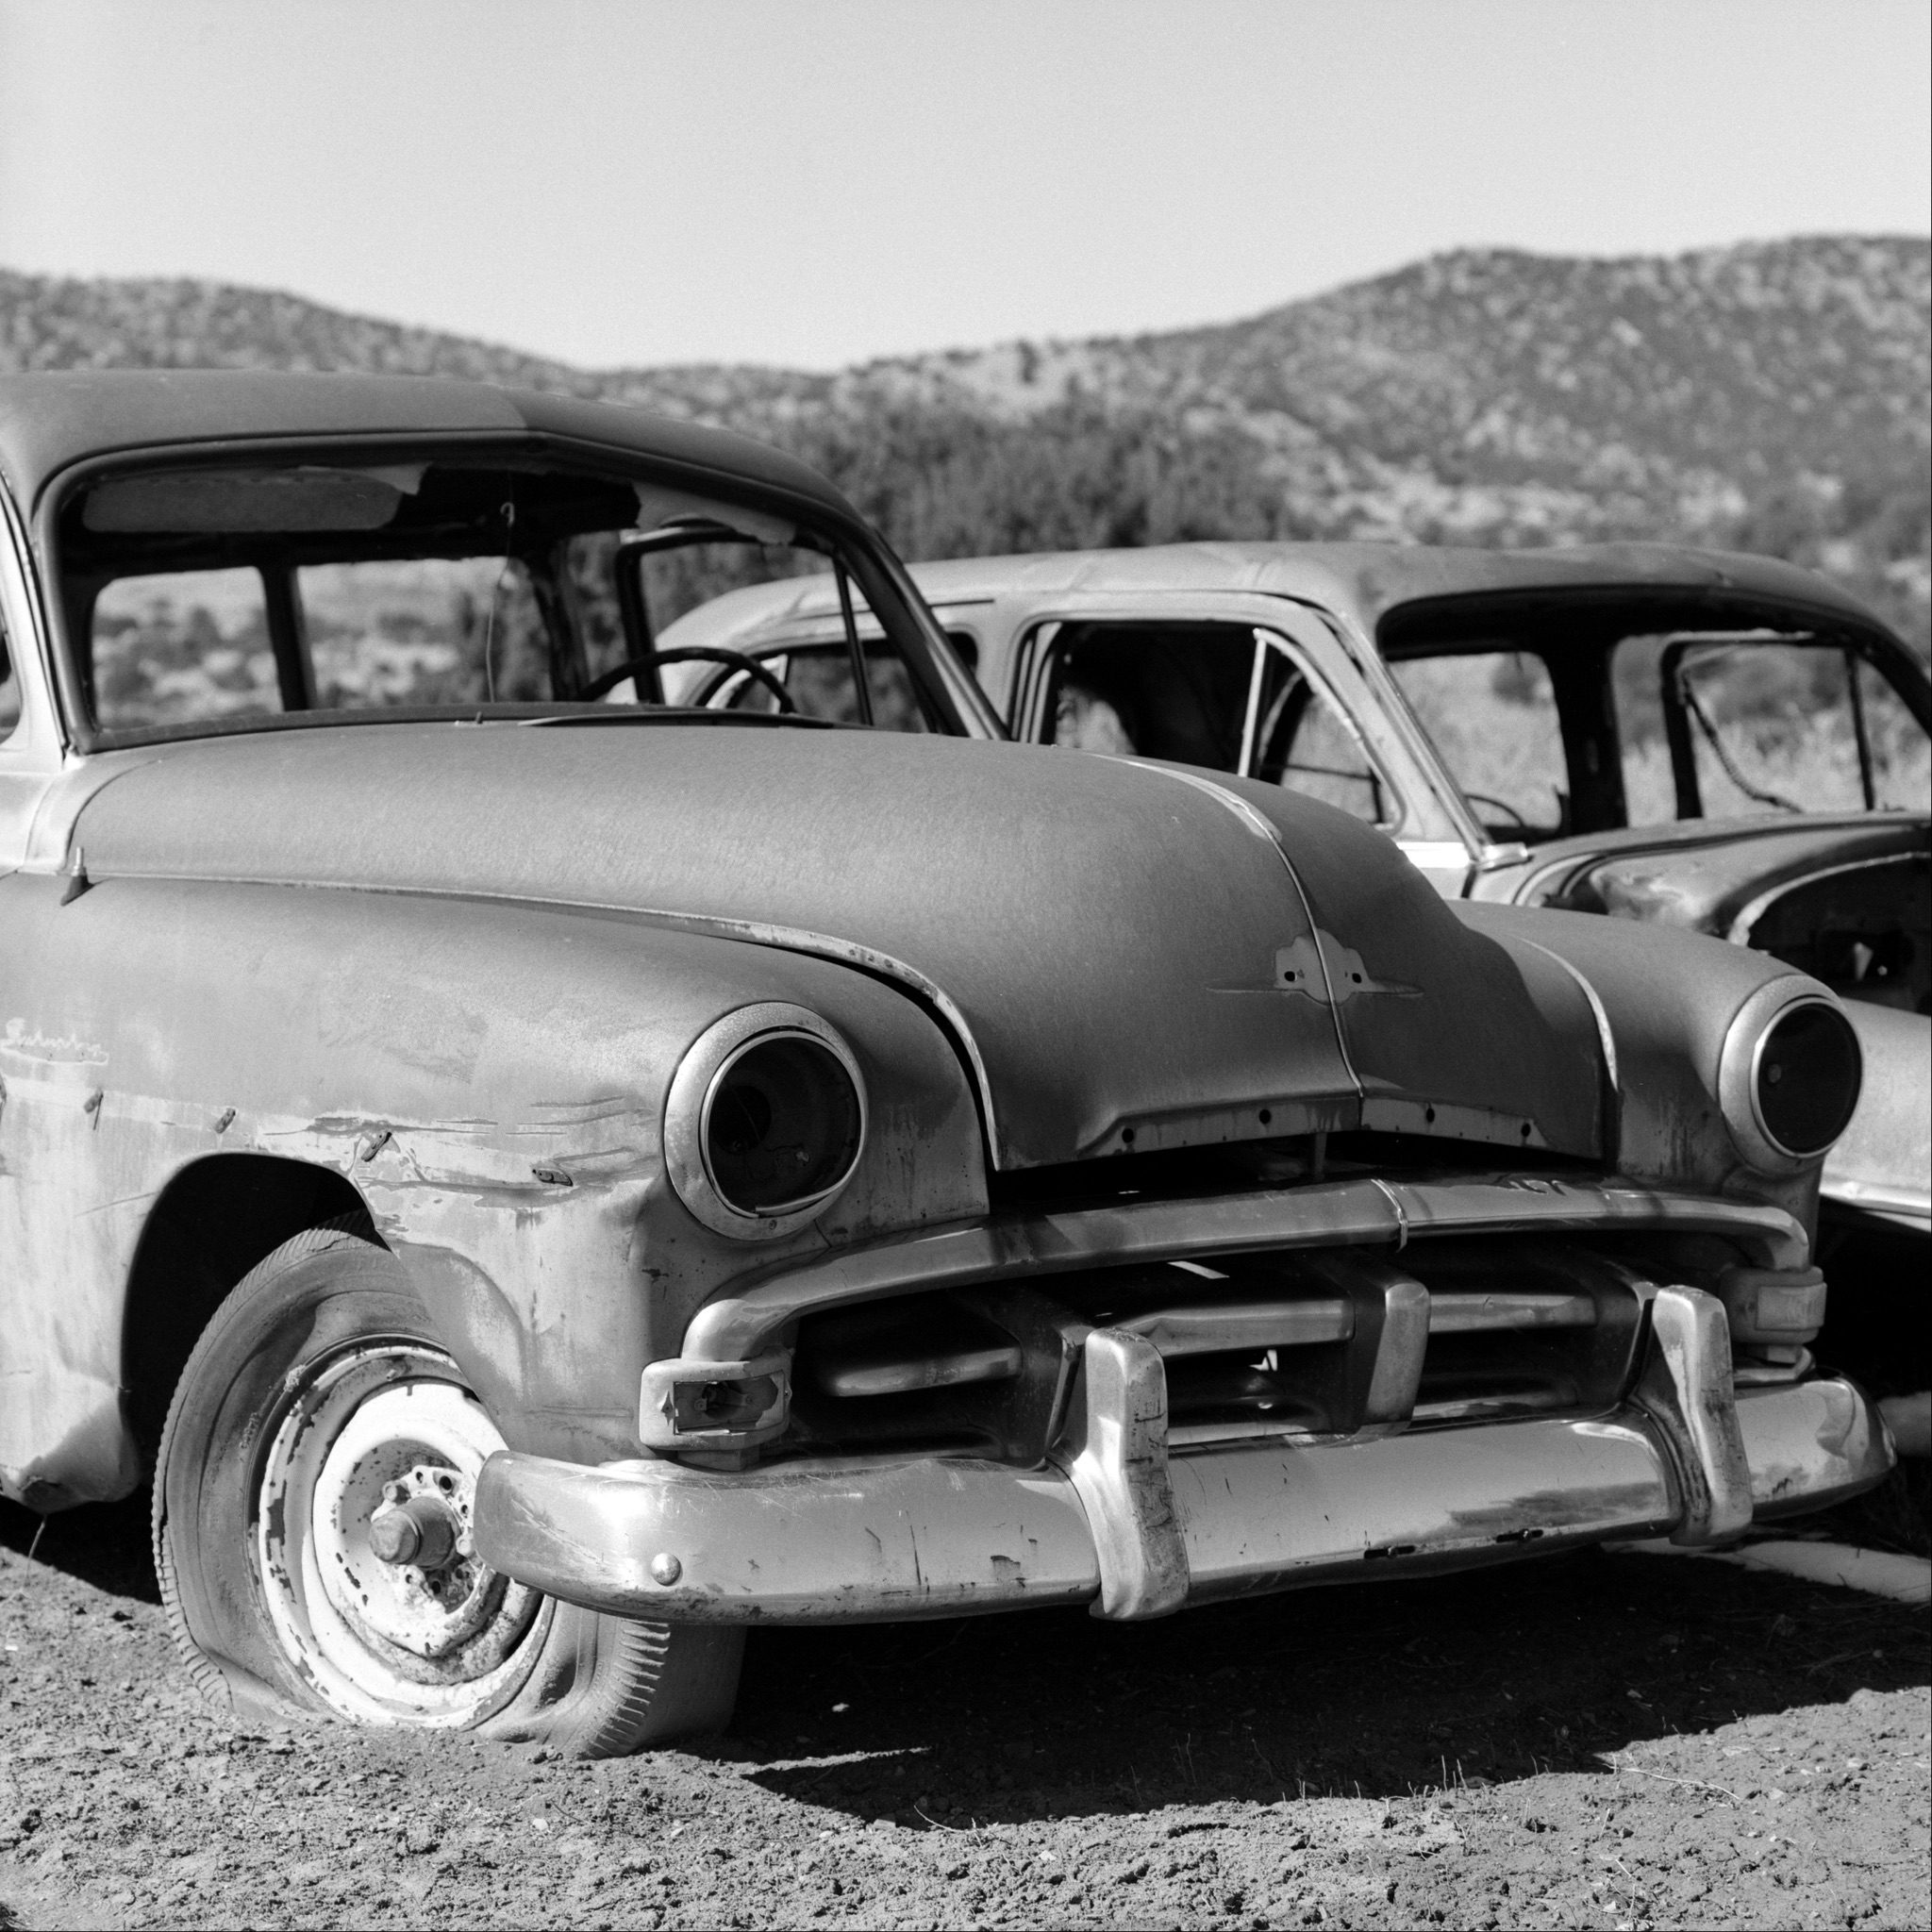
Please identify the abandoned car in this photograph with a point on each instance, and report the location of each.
(543, 1178)
(1722, 743)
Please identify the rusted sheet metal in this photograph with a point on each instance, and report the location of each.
(1699, 879)
(1108, 935)
(490, 1082)
(60, 1432)
(62, 1438)
(1883, 1165)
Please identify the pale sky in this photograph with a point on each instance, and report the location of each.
(813, 182)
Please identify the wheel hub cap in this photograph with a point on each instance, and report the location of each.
(368, 1565)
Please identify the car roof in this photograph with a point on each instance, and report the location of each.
(1365, 581)
(53, 419)
(1369, 580)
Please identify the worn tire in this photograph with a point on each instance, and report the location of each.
(315, 1396)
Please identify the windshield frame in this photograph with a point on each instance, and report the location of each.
(943, 684)
(1687, 719)
(1470, 622)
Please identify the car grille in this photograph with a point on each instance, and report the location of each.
(1263, 1345)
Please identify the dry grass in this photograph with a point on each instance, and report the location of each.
(1812, 762)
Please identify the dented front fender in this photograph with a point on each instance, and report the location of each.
(489, 1079)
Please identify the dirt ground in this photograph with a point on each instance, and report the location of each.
(1615, 1740)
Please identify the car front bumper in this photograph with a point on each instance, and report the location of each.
(1134, 1531)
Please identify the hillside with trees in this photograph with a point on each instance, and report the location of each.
(1774, 396)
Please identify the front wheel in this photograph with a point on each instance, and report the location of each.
(312, 1500)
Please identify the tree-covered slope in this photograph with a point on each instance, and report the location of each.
(1774, 396)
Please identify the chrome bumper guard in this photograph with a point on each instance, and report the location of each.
(1120, 1524)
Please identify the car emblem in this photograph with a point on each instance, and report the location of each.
(1322, 966)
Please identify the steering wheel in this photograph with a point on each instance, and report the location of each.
(705, 654)
(1516, 818)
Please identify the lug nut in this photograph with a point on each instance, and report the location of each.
(420, 1531)
(393, 1535)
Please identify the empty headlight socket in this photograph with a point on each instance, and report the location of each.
(703, 1083)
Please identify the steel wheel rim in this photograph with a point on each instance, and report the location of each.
(386, 1642)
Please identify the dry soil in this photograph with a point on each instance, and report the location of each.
(1595, 1741)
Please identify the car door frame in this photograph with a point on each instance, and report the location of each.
(33, 754)
(1435, 828)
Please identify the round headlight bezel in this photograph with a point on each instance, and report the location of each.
(1741, 1065)
(707, 1064)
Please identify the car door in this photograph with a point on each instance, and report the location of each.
(59, 1220)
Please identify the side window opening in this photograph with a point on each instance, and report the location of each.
(1176, 690)
(1221, 695)
(1302, 741)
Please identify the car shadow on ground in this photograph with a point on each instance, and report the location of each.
(105, 1544)
(1378, 1692)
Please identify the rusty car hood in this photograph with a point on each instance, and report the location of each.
(1133, 956)
(1703, 874)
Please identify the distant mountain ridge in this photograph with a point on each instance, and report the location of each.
(1772, 395)
(49, 322)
